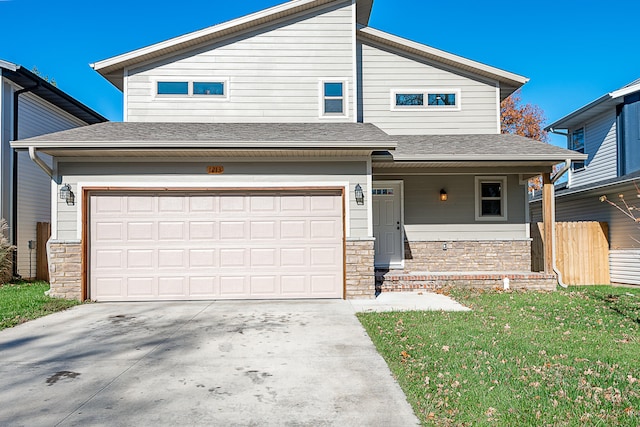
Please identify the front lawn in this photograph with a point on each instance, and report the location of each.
(21, 302)
(563, 358)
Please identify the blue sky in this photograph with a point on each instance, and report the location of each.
(573, 51)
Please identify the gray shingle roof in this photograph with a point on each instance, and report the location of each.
(120, 133)
(476, 147)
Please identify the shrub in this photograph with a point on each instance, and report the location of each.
(6, 253)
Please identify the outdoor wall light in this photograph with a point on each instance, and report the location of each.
(443, 195)
(359, 195)
(67, 195)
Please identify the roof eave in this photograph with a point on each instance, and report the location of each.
(230, 145)
(585, 112)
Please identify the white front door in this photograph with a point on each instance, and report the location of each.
(387, 224)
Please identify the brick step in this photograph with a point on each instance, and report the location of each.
(399, 281)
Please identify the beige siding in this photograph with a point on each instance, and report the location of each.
(37, 117)
(273, 73)
(426, 218)
(601, 146)
(236, 175)
(384, 70)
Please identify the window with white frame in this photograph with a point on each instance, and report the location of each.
(576, 143)
(425, 99)
(205, 89)
(333, 99)
(491, 198)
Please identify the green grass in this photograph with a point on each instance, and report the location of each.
(565, 358)
(21, 302)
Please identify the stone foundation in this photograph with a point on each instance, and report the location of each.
(360, 272)
(65, 268)
(482, 255)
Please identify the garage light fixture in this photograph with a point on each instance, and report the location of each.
(359, 195)
(443, 195)
(67, 195)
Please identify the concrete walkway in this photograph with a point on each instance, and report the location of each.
(195, 364)
(402, 301)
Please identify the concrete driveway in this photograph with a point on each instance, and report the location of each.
(186, 364)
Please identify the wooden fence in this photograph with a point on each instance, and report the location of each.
(582, 251)
(43, 232)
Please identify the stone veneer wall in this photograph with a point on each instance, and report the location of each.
(479, 255)
(65, 268)
(360, 271)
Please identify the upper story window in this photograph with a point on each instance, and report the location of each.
(576, 143)
(425, 99)
(173, 88)
(208, 88)
(333, 98)
(442, 99)
(213, 89)
(491, 198)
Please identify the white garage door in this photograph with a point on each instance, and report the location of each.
(195, 246)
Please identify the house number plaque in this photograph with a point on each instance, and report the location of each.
(215, 170)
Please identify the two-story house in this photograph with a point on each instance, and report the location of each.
(288, 154)
(30, 106)
(608, 131)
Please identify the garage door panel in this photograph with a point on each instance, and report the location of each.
(171, 287)
(140, 287)
(202, 230)
(140, 231)
(171, 204)
(264, 286)
(202, 286)
(140, 204)
(171, 230)
(139, 258)
(215, 246)
(263, 230)
(236, 257)
(233, 286)
(202, 258)
(233, 230)
(171, 258)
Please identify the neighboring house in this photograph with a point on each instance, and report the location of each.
(608, 131)
(41, 108)
(286, 153)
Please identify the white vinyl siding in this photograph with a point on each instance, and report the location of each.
(264, 174)
(600, 143)
(384, 71)
(37, 117)
(272, 73)
(625, 266)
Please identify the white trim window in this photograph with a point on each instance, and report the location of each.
(201, 88)
(333, 98)
(436, 99)
(576, 143)
(491, 198)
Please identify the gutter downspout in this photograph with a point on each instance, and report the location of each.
(14, 183)
(555, 178)
(33, 155)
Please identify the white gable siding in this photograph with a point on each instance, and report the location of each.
(384, 70)
(601, 145)
(273, 73)
(37, 117)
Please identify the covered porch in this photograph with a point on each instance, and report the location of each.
(452, 210)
